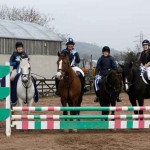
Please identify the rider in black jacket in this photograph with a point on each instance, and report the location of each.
(17, 55)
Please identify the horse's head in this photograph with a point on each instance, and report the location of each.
(63, 65)
(130, 74)
(114, 79)
(25, 70)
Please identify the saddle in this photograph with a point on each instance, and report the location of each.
(144, 76)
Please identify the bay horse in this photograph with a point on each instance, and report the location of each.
(25, 86)
(134, 85)
(110, 88)
(69, 87)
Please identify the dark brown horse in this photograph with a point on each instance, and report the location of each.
(70, 85)
(110, 87)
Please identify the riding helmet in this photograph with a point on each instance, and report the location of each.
(106, 49)
(19, 44)
(145, 42)
(70, 41)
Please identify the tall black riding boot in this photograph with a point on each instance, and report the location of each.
(82, 79)
(57, 83)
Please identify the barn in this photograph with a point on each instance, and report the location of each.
(40, 43)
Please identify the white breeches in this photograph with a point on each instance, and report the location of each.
(148, 72)
(75, 69)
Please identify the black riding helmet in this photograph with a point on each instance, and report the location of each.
(106, 49)
(70, 41)
(19, 44)
(145, 42)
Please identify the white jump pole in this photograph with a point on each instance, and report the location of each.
(8, 121)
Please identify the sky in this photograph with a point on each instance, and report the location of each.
(115, 23)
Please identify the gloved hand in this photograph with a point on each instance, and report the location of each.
(142, 69)
(74, 51)
(98, 77)
(17, 59)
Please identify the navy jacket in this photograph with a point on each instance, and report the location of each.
(73, 56)
(145, 57)
(104, 64)
(15, 59)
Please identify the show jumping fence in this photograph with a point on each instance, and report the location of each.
(26, 122)
(48, 121)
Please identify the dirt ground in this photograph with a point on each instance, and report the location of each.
(82, 140)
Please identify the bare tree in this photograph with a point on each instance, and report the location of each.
(24, 14)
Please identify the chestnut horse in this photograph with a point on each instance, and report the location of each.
(70, 85)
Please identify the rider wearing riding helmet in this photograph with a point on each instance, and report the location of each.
(74, 59)
(145, 55)
(145, 61)
(16, 57)
(104, 64)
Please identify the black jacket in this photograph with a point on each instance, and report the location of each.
(15, 57)
(104, 64)
(73, 56)
(145, 57)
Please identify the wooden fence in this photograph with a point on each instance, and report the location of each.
(47, 87)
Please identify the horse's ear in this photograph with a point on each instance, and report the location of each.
(58, 53)
(130, 64)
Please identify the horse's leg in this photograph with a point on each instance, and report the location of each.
(141, 103)
(80, 101)
(30, 104)
(21, 104)
(113, 103)
(64, 104)
(133, 103)
(104, 101)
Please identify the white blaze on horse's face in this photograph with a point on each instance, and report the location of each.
(25, 69)
(126, 84)
(59, 73)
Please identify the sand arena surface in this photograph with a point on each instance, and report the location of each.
(82, 140)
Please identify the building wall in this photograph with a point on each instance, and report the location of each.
(32, 47)
(42, 65)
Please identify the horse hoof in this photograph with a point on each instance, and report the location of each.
(66, 130)
(74, 130)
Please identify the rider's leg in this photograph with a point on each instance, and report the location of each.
(57, 83)
(97, 87)
(81, 75)
(97, 94)
(36, 95)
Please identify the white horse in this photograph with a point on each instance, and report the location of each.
(25, 87)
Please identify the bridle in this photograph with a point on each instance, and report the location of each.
(107, 83)
(27, 84)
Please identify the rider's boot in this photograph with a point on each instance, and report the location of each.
(57, 83)
(82, 79)
(36, 95)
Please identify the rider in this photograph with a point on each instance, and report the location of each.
(15, 59)
(74, 59)
(145, 55)
(104, 64)
(145, 58)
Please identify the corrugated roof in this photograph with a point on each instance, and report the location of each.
(26, 30)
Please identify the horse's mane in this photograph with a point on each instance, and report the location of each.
(24, 62)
